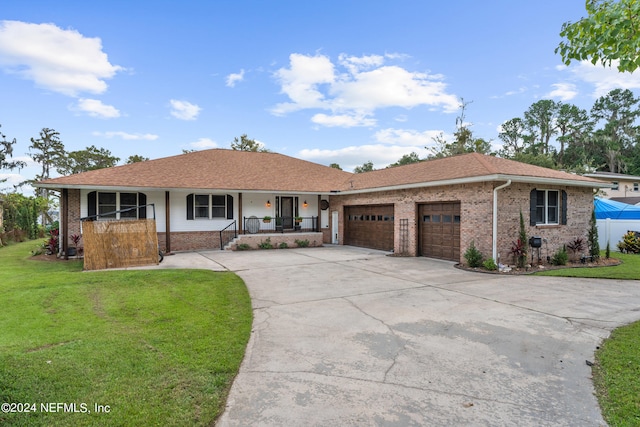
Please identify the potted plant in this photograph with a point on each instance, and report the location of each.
(298, 219)
(73, 250)
(266, 219)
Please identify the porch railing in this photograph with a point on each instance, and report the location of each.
(227, 234)
(279, 224)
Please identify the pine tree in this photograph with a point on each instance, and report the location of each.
(594, 246)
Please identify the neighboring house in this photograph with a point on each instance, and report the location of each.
(623, 188)
(434, 208)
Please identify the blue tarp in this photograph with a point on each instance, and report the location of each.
(615, 210)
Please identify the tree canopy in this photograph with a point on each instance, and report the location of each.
(85, 160)
(610, 32)
(6, 152)
(245, 144)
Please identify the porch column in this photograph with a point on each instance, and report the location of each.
(318, 226)
(167, 221)
(240, 213)
(64, 224)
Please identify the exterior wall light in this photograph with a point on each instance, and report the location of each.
(268, 203)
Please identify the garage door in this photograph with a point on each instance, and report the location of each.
(440, 230)
(369, 226)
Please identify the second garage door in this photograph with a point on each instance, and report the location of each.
(369, 226)
(440, 230)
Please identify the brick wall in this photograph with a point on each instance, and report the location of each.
(476, 205)
(191, 240)
(73, 215)
(513, 199)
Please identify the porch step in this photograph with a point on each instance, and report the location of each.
(231, 243)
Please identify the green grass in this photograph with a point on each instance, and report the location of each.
(617, 371)
(617, 377)
(158, 347)
(629, 269)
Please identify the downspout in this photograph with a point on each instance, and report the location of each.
(495, 220)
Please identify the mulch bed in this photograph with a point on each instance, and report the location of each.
(601, 262)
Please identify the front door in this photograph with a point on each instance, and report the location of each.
(286, 212)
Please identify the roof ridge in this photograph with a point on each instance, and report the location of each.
(483, 160)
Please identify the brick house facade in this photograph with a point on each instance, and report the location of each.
(251, 189)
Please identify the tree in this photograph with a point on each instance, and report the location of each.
(246, 144)
(136, 159)
(540, 123)
(619, 111)
(407, 159)
(47, 151)
(366, 167)
(610, 32)
(6, 152)
(464, 141)
(335, 166)
(573, 126)
(85, 160)
(512, 136)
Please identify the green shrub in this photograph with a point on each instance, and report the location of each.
(630, 243)
(266, 244)
(473, 256)
(243, 247)
(561, 257)
(490, 264)
(302, 243)
(607, 252)
(283, 245)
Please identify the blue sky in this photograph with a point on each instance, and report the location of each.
(332, 82)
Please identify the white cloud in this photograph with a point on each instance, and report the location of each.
(128, 136)
(59, 60)
(184, 110)
(364, 85)
(564, 91)
(232, 78)
(349, 157)
(301, 82)
(96, 108)
(342, 120)
(203, 144)
(604, 79)
(407, 137)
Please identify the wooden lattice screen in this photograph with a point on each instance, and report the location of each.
(119, 244)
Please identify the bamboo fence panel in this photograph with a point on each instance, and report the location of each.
(119, 244)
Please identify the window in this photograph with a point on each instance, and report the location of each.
(615, 186)
(107, 205)
(128, 202)
(209, 206)
(546, 207)
(218, 206)
(635, 186)
(201, 206)
(116, 205)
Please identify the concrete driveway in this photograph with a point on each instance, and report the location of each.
(349, 336)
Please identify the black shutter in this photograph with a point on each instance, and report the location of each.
(92, 204)
(229, 206)
(532, 207)
(142, 202)
(564, 207)
(190, 206)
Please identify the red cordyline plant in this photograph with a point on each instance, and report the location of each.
(519, 252)
(75, 239)
(52, 243)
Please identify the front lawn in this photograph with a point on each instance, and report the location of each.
(629, 269)
(617, 376)
(150, 347)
